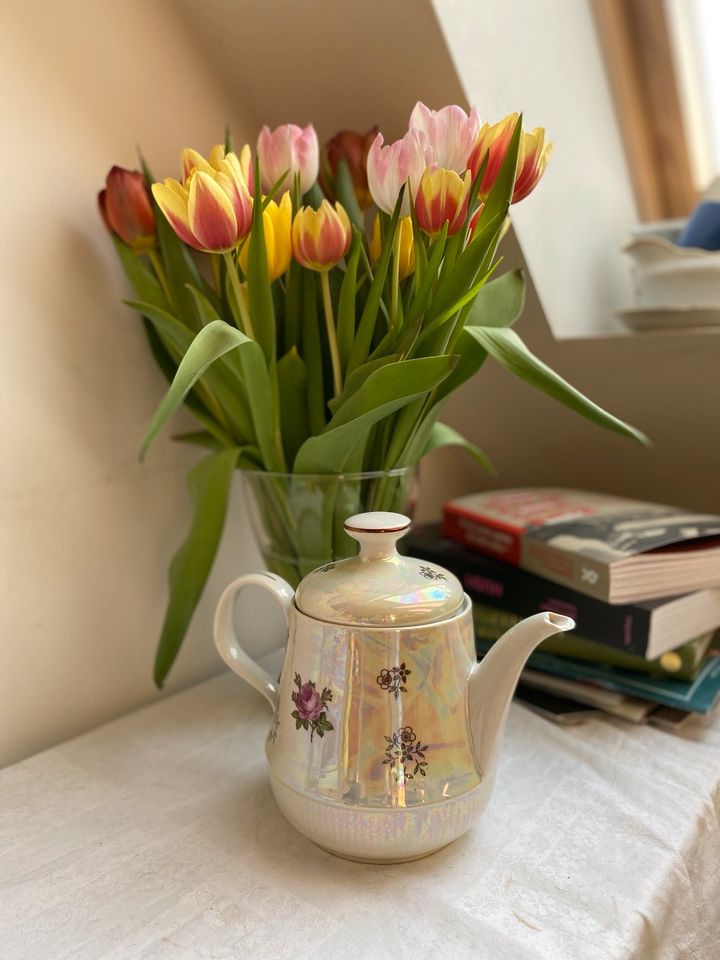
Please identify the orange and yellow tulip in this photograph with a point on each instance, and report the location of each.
(212, 209)
(277, 219)
(321, 237)
(126, 209)
(534, 154)
(406, 247)
(442, 198)
(493, 142)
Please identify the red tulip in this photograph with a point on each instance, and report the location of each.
(126, 208)
(352, 147)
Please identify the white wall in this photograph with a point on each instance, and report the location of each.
(87, 530)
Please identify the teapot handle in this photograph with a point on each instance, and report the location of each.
(226, 639)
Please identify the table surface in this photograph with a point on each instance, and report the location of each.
(156, 836)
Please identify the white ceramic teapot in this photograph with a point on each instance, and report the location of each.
(385, 730)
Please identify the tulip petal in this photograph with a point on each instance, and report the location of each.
(169, 197)
(231, 180)
(216, 156)
(246, 167)
(192, 160)
(210, 214)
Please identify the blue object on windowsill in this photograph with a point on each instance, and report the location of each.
(703, 227)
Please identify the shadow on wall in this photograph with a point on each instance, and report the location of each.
(335, 65)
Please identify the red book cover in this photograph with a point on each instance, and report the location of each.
(494, 523)
(612, 548)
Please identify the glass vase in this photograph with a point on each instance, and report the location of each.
(298, 519)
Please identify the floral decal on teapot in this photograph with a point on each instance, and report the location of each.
(310, 711)
(273, 732)
(406, 754)
(393, 680)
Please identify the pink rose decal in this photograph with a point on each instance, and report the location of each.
(308, 702)
(310, 707)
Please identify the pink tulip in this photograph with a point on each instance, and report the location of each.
(449, 134)
(288, 149)
(389, 167)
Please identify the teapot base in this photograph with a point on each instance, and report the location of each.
(384, 861)
(381, 834)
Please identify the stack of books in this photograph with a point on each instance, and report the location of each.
(641, 581)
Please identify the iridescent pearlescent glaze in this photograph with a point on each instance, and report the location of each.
(385, 729)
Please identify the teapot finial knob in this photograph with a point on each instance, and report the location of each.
(377, 533)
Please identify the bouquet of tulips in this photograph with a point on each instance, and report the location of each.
(315, 312)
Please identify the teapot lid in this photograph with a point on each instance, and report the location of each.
(379, 587)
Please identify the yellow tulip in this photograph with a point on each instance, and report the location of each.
(277, 218)
(407, 246)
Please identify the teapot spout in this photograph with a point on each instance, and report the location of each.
(493, 680)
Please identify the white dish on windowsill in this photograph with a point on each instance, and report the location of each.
(665, 275)
(683, 317)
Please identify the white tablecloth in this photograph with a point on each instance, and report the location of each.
(157, 836)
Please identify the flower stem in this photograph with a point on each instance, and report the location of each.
(215, 267)
(245, 323)
(395, 279)
(159, 269)
(332, 338)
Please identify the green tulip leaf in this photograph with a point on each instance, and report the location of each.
(462, 275)
(209, 484)
(368, 318)
(312, 354)
(199, 438)
(358, 377)
(429, 273)
(293, 305)
(142, 279)
(442, 435)
(346, 304)
(345, 193)
(292, 383)
(507, 348)
(260, 301)
(212, 343)
(225, 392)
(385, 391)
(499, 303)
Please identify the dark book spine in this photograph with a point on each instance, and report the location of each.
(511, 589)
